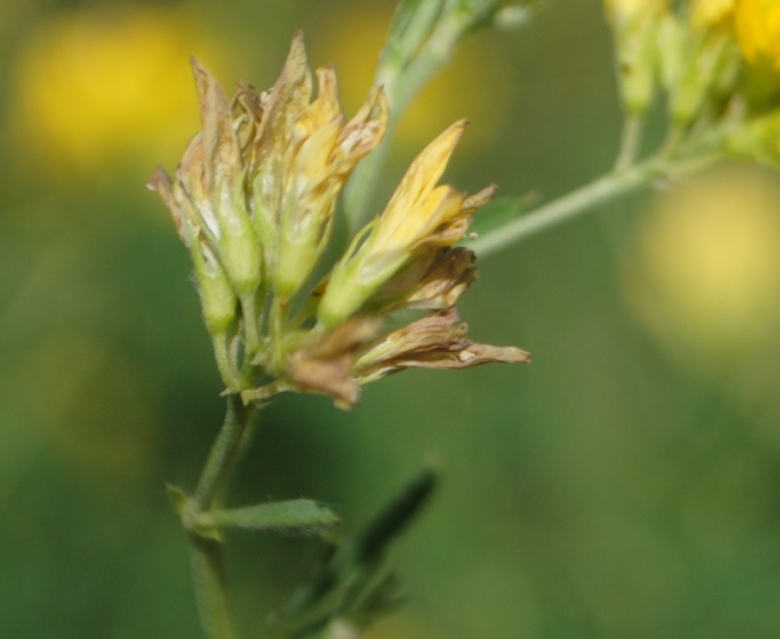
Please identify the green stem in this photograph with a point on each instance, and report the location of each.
(225, 363)
(277, 325)
(629, 142)
(251, 323)
(205, 553)
(422, 39)
(208, 574)
(264, 393)
(607, 188)
(674, 137)
(223, 454)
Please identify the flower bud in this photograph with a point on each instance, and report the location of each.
(420, 215)
(215, 176)
(321, 155)
(635, 26)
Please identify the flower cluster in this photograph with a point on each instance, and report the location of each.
(253, 200)
(717, 61)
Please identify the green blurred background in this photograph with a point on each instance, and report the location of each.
(625, 484)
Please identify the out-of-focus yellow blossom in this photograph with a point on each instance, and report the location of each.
(757, 24)
(711, 13)
(91, 87)
(624, 11)
(705, 276)
(348, 39)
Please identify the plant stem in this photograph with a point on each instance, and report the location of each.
(423, 37)
(609, 187)
(251, 324)
(629, 142)
(225, 363)
(205, 553)
(208, 575)
(223, 454)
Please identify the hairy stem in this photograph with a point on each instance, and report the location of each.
(205, 553)
(225, 362)
(579, 201)
(208, 575)
(223, 454)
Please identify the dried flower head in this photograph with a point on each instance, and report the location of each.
(254, 199)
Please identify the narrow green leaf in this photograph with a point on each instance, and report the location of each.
(354, 579)
(376, 536)
(295, 517)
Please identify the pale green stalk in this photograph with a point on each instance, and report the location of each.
(223, 455)
(677, 156)
(629, 142)
(209, 576)
(579, 201)
(205, 553)
(225, 363)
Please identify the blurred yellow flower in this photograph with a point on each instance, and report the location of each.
(354, 41)
(757, 24)
(710, 13)
(705, 275)
(92, 87)
(622, 11)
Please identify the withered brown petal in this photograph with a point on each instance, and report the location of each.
(344, 338)
(222, 153)
(328, 376)
(431, 342)
(365, 131)
(480, 198)
(451, 274)
(161, 182)
(324, 361)
(286, 99)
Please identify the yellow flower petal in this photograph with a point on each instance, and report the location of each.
(711, 13)
(757, 24)
(416, 208)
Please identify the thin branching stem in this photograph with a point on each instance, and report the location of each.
(223, 454)
(630, 141)
(225, 361)
(579, 201)
(208, 574)
(206, 554)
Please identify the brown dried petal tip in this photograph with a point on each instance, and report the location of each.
(431, 342)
